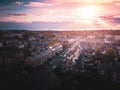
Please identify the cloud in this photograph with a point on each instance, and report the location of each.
(60, 11)
(117, 3)
(17, 3)
(12, 14)
(13, 17)
(111, 21)
(107, 17)
(111, 18)
(117, 20)
(19, 14)
(38, 4)
(85, 1)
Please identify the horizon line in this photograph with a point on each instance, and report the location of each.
(61, 29)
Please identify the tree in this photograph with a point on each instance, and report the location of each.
(66, 45)
(109, 55)
(28, 50)
(98, 55)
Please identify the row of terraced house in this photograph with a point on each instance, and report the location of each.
(40, 58)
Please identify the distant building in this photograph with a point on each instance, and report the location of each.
(117, 37)
(31, 38)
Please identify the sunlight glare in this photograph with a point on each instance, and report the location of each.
(88, 12)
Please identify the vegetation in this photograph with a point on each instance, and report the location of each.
(98, 55)
(109, 55)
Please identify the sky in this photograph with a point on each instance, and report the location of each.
(60, 14)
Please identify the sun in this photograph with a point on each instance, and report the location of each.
(88, 12)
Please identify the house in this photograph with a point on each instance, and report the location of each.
(21, 46)
(117, 37)
(56, 48)
(40, 58)
(32, 38)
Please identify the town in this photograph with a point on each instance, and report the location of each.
(60, 59)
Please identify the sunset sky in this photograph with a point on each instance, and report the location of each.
(60, 14)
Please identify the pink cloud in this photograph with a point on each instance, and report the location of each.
(85, 1)
(17, 3)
